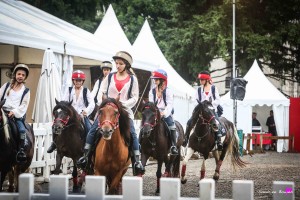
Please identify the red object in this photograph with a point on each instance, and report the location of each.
(78, 75)
(120, 83)
(294, 122)
(204, 76)
(156, 74)
(265, 141)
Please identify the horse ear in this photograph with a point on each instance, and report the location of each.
(104, 96)
(210, 99)
(118, 97)
(56, 101)
(70, 103)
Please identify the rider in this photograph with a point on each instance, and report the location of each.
(162, 96)
(106, 68)
(206, 93)
(17, 100)
(82, 101)
(124, 84)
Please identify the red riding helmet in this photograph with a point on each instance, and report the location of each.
(78, 74)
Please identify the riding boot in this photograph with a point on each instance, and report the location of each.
(138, 167)
(21, 156)
(81, 163)
(52, 147)
(187, 134)
(218, 141)
(173, 149)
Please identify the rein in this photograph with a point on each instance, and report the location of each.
(155, 120)
(204, 122)
(114, 124)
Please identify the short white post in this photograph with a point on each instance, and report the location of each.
(58, 188)
(95, 187)
(283, 190)
(242, 189)
(170, 188)
(207, 189)
(132, 188)
(26, 186)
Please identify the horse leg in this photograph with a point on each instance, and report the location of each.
(218, 165)
(57, 169)
(115, 183)
(144, 159)
(188, 155)
(202, 172)
(11, 181)
(76, 188)
(158, 176)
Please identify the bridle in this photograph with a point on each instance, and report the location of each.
(152, 125)
(204, 122)
(64, 121)
(114, 124)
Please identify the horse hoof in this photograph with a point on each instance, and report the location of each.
(76, 189)
(183, 181)
(216, 178)
(157, 192)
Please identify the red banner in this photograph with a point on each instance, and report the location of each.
(294, 121)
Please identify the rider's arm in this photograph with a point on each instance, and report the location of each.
(95, 89)
(216, 101)
(169, 100)
(91, 106)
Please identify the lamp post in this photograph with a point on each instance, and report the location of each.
(233, 60)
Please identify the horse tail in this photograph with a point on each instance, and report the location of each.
(233, 149)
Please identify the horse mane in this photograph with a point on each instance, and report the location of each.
(153, 107)
(197, 110)
(65, 105)
(124, 120)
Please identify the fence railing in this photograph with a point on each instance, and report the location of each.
(43, 162)
(132, 188)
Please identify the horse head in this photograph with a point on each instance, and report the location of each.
(207, 115)
(62, 113)
(108, 114)
(4, 122)
(150, 118)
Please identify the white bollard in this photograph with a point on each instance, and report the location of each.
(170, 188)
(207, 189)
(242, 189)
(95, 187)
(132, 188)
(283, 190)
(58, 188)
(26, 186)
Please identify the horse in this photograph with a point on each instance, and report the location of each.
(202, 140)
(9, 142)
(69, 137)
(112, 156)
(155, 142)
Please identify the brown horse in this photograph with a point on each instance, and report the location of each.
(202, 140)
(69, 137)
(9, 142)
(112, 155)
(155, 142)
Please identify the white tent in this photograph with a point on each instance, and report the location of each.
(145, 48)
(259, 92)
(111, 35)
(24, 25)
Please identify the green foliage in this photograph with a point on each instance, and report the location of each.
(191, 33)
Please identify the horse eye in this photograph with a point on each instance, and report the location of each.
(116, 112)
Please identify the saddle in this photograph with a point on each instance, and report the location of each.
(15, 131)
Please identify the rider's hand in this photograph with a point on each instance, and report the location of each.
(10, 114)
(162, 114)
(84, 113)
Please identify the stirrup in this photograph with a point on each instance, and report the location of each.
(174, 150)
(138, 168)
(21, 156)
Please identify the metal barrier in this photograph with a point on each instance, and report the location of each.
(132, 188)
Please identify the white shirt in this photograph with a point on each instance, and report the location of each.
(94, 92)
(113, 92)
(215, 102)
(78, 104)
(160, 102)
(13, 100)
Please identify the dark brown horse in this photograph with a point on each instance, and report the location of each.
(112, 155)
(9, 142)
(202, 140)
(155, 142)
(69, 137)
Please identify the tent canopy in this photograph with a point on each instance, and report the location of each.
(259, 91)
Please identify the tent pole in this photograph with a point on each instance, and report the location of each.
(233, 60)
